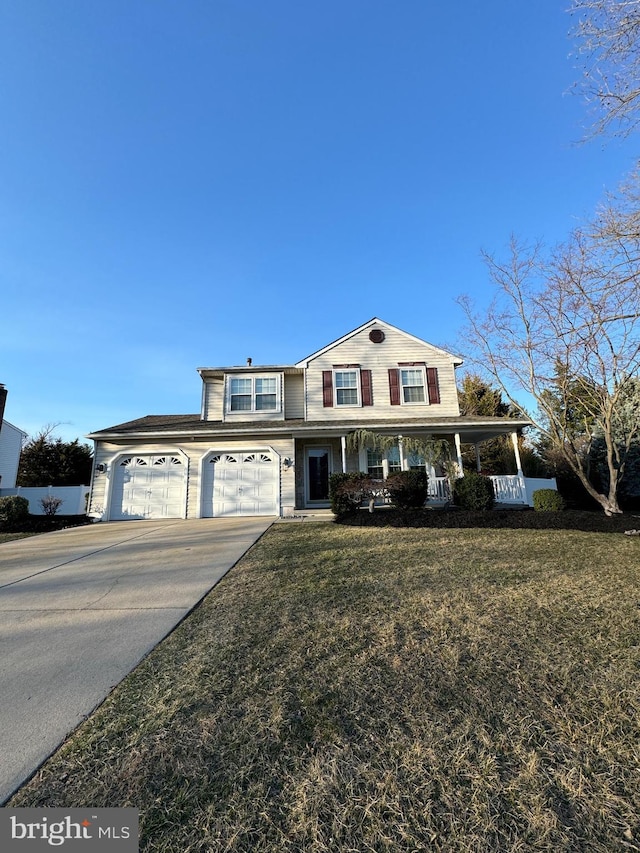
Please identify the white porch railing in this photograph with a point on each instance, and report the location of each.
(509, 489)
(439, 489)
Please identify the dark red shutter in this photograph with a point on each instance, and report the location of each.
(394, 386)
(432, 385)
(367, 391)
(327, 388)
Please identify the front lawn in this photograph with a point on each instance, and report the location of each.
(383, 689)
(9, 537)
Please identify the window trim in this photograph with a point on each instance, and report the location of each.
(253, 394)
(358, 387)
(402, 386)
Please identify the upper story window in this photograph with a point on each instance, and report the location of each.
(253, 394)
(347, 387)
(412, 381)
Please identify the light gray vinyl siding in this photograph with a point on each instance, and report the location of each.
(213, 400)
(294, 395)
(10, 447)
(378, 358)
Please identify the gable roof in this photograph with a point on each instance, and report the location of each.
(375, 321)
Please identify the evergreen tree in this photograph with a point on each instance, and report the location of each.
(49, 461)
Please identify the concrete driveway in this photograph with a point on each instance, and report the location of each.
(80, 608)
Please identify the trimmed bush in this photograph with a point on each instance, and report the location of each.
(548, 500)
(14, 511)
(473, 492)
(347, 491)
(407, 489)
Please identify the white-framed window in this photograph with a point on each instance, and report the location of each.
(346, 384)
(253, 394)
(375, 468)
(412, 385)
(379, 465)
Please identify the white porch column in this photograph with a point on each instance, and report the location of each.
(478, 464)
(456, 438)
(520, 475)
(516, 450)
(343, 447)
(401, 452)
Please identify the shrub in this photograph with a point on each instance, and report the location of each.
(473, 491)
(50, 504)
(548, 500)
(347, 491)
(14, 511)
(407, 489)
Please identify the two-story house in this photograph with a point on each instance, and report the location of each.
(268, 437)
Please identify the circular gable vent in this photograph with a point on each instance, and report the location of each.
(376, 336)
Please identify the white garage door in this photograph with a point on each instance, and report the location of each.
(240, 484)
(149, 487)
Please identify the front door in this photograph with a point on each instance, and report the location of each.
(318, 470)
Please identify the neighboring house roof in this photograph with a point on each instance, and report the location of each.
(475, 428)
(372, 322)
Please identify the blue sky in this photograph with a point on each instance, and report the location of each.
(187, 183)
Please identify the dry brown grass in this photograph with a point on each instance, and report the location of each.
(372, 689)
(9, 537)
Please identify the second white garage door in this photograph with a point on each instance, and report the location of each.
(241, 484)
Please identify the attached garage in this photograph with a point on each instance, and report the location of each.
(241, 484)
(147, 486)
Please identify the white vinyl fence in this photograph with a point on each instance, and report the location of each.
(74, 498)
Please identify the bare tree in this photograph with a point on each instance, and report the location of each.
(608, 37)
(565, 326)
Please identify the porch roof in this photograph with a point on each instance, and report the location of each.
(472, 429)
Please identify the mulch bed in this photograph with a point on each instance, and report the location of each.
(524, 519)
(47, 523)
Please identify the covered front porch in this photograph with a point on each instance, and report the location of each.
(332, 450)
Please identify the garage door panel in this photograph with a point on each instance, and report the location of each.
(149, 486)
(240, 484)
